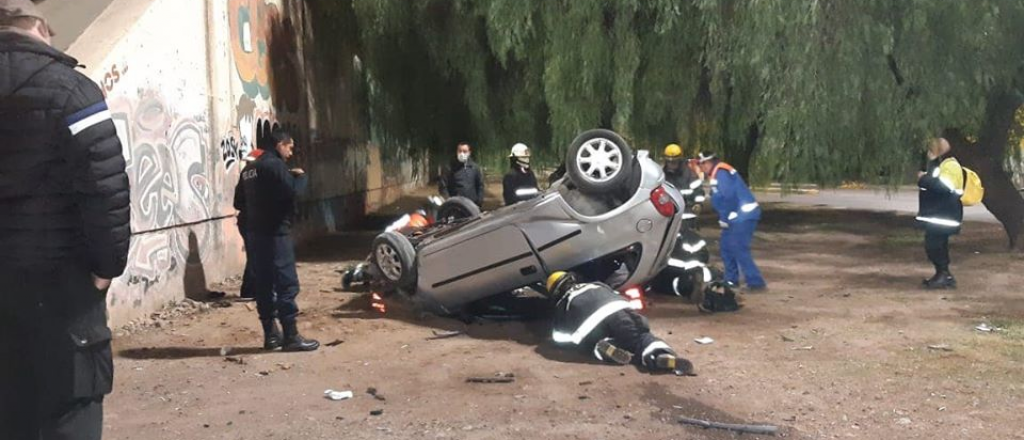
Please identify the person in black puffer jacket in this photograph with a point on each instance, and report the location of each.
(64, 229)
(463, 178)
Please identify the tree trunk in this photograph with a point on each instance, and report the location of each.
(986, 158)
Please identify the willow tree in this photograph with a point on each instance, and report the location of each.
(851, 90)
(793, 91)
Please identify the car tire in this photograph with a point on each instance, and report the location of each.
(615, 162)
(457, 208)
(394, 258)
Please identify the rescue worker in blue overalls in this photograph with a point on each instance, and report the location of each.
(269, 191)
(738, 214)
(594, 318)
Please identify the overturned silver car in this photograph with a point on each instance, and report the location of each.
(610, 215)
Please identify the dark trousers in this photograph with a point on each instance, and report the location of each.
(936, 245)
(629, 331)
(55, 358)
(249, 276)
(276, 283)
(735, 247)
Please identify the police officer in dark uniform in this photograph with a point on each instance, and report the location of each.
(64, 229)
(248, 277)
(268, 197)
(519, 183)
(463, 177)
(595, 319)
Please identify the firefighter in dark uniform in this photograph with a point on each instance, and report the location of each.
(463, 177)
(681, 175)
(268, 197)
(595, 319)
(687, 266)
(519, 183)
(64, 229)
(940, 212)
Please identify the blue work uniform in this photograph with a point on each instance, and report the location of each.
(738, 213)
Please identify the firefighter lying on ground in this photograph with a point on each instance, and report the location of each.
(595, 319)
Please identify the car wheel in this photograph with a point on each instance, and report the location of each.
(394, 258)
(599, 161)
(457, 208)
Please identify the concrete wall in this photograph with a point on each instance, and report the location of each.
(192, 86)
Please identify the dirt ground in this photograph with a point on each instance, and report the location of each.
(837, 348)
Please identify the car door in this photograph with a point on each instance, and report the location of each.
(461, 269)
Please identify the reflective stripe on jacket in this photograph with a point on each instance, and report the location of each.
(940, 209)
(731, 197)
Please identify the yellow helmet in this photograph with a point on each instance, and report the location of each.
(673, 151)
(554, 278)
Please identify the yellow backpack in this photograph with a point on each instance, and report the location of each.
(974, 191)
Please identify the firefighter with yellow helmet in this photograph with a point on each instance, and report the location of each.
(681, 175)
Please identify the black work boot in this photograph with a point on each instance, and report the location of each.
(941, 280)
(293, 341)
(271, 334)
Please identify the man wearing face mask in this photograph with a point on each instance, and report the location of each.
(520, 183)
(463, 177)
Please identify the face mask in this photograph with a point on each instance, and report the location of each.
(523, 162)
(463, 157)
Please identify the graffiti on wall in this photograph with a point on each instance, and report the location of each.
(265, 50)
(169, 167)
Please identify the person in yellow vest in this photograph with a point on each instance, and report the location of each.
(940, 211)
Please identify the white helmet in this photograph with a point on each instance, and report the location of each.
(520, 150)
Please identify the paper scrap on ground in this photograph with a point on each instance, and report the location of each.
(704, 341)
(337, 395)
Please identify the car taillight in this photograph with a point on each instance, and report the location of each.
(663, 202)
(635, 297)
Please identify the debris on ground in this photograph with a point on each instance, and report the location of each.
(445, 335)
(263, 373)
(986, 328)
(376, 394)
(249, 307)
(704, 340)
(805, 348)
(284, 365)
(497, 378)
(335, 343)
(586, 382)
(735, 427)
(376, 412)
(224, 351)
(337, 395)
(216, 294)
(787, 338)
(222, 304)
(940, 347)
(235, 359)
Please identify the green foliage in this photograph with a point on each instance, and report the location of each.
(835, 90)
